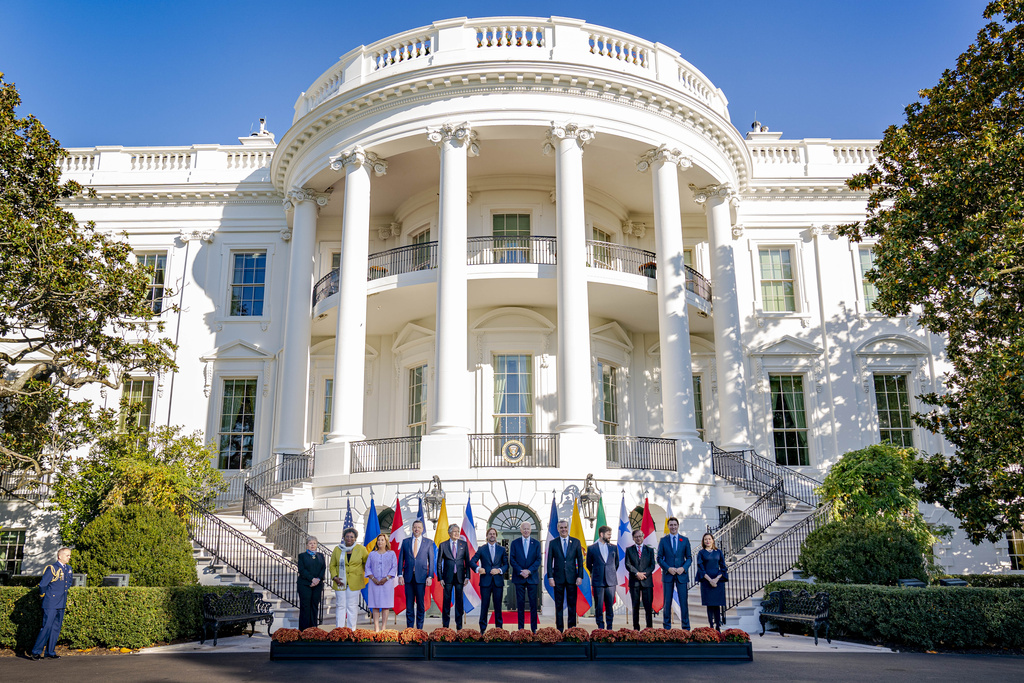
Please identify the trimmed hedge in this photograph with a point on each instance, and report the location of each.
(107, 617)
(923, 617)
(989, 580)
(863, 550)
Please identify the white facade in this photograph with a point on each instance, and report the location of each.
(510, 203)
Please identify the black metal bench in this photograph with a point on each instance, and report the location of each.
(235, 607)
(798, 608)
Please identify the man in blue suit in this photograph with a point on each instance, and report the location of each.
(565, 572)
(54, 587)
(603, 564)
(490, 562)
(415, 567)
(524, 556)
(674, 560)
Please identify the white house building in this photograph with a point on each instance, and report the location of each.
(508, 253)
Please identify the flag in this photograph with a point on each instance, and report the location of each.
(471, 594)
(440, 536)
(397, 536)
(675, 595)
(349, 524)
(625, 541)
(370, 537)
(552, 535)
(584, 595)
(419, 516)
(651, 539)
(601, 521)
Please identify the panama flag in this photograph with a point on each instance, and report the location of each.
(583, 592)
(397, 536)
(552, 535)
(370, 537)
(675, 595)
(625, 541)
(651, 539)
(471, 593)
(440, 536)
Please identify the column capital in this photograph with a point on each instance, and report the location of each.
(196, 235)
(457, 133)
(663, 153)
(824, 229)
(568, 131)
(358, 156)
(702, 194)
(304, 194)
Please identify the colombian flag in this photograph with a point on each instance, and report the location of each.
(583, 591)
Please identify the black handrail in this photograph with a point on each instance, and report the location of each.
(288, 535)
(326, 286)
(385, 455)
(407, 259)
(753, 472)
(511, 250)
(640, 452)
(741, 530)
(623, 259)
(501, 450)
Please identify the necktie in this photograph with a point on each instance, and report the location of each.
(565, 547)
(453, 549)
(673, 544)
(415, 547)
(492, 552)
(526, 546)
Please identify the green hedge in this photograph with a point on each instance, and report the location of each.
(107, 617)
(989, 580)
(923, 617)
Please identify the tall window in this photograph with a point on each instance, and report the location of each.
(157, 266)
(248, 277)
(12, 550)
(698, 406)
(421, 254)
(336, 260)
(608, 399)
(511, 237)
(328, 406)
(417, 407)
(893, 402)
(1016, 540)
(777, 288)
(688, 257)
(237, 424)
(602, 255)
(789, 421)
(867, 262)
(137, 402)
(513, 394)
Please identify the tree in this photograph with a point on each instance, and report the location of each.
(73, 303)
(947, 211)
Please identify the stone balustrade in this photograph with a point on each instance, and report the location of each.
(813, 157)
(158, 165)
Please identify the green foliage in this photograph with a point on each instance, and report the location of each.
(73, 309)
(923, 617)
(988, 580)
(149, 543)
(870, 550)
(107, 617)
(947, 214)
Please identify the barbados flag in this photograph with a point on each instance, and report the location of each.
(583, 592)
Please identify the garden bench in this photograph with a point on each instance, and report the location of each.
(235, 607)
(798, 608)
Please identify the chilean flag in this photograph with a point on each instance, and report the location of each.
(397, 536)
(471, 593)
(651, 539)
(625, 541)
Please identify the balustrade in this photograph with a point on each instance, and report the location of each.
(640, 453)
(619, 48)
(513, 450)
(509, 35)
(161, 161)
(511, 250)
(386, 455)
(402, 50)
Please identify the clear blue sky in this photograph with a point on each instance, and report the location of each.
(177, 73)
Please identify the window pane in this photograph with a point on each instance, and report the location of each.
(12, 550)
(789, 421)
(248, 278)
(157, 266)
(608, 399)
(867, 262)
(138, 396)
(1016, 540)
(778, 293)
(513, 394)
(238, 424)
(698, 406)
(328, 406)
(893, 404)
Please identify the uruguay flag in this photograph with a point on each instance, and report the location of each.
(625, 541)
(370, 537)
(471, 593)
(552, 535)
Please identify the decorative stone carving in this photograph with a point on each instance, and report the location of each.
(461, 133)
(198, 235)
(304, 194)
(663, 153)
(286, 234)
(635, 228)
(207, 378)
(567, 131)
(824, 229)
(359, 156)
(702, 194)
(386, 232)
(737, 231)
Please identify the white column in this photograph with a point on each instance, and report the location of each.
(733, 417)
(575, 392)
(678, 415)
(291, 396)
(452, 388)
(350, 345)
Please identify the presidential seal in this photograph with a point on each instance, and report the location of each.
(513, 451)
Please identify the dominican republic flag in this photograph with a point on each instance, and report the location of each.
(584, 593)
(397, 536)
(651, 539)
(471, 593)
(675, 595)
(370, 537)
(625, 541)
(552, 535)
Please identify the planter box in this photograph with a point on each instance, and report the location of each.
(524, 651)
(742, 652)
(348, 650)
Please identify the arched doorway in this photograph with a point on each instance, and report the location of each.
(386, 516)
(506, 520)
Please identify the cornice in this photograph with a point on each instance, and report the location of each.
(176, 196)
(790, 191)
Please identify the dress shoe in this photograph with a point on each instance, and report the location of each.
(35, 658)
(53, 656)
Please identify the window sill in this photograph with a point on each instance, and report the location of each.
(764, 316)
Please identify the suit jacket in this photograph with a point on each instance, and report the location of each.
(603, 573)
(565, 568)
(354, 567)
(641, 560)
(520, 561)
(680, 558)
(55, 584)
(311, 567)
(453, 569)
(482, 558)
(419, 568)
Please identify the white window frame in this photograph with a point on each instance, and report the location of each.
(860, 302)
(226, 262)
(152, 398)
(801, 284)
(165, 303)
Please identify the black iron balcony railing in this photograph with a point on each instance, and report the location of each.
(401, 260)
(511, 250)
(513, 450)
(19, 484)
(623, 259)
(326, 286)
(640, 453)
(385, 455)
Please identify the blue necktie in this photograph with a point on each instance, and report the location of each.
(674, 544)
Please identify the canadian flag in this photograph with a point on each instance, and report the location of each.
(397, 536)
(651, 538)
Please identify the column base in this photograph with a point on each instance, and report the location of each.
(448, 429)
(693, 461)
(582, 453)
(441, 452)
(576, 428)
(332, 459)
(344, 438)
(736, 446)
(290, 449)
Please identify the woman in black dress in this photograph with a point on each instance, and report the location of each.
(712, 575)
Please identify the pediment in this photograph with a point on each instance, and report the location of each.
(236, 350)
(613, 333)
(326, 348)
(787, 346)
(891, 345)
(512, 320)
(411, 335)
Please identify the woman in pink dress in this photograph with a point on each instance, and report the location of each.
(381, 569)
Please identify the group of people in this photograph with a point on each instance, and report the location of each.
(419, 561)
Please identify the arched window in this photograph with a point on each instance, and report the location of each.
(507, 518)
(636, 517)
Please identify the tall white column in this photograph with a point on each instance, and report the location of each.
(350, 345)
(452, 387)
(575, 392)
(733, 417)
(678, 414)
(291, 397)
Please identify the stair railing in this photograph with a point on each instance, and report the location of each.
(281, 530)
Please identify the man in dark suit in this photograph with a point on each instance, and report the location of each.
(565, 572)
(453, 573)
(415, 568)
(603, 564)
(674, 560)
(490, 561)
(53, 587)
(524, 557)
(640, 565)
(310, 584)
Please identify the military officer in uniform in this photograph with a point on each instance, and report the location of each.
(54, 587)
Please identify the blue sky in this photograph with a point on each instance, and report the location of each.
(181, 73)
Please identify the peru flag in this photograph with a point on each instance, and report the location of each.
(397, 536)
(651, 539)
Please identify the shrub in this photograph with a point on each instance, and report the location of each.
(412, 636)
(548, 634)
(285, 635)
(364, 635)
(602, 635)
(523, 635)
(468, 635)
(443, 635)
(735, 635)
(313, 633)
(500, 635)
(149, 543)
(863, 550)
(576, 635)
(388, 635)
(988, 580)
(923, 617)
(705, 635)
(340, 635)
